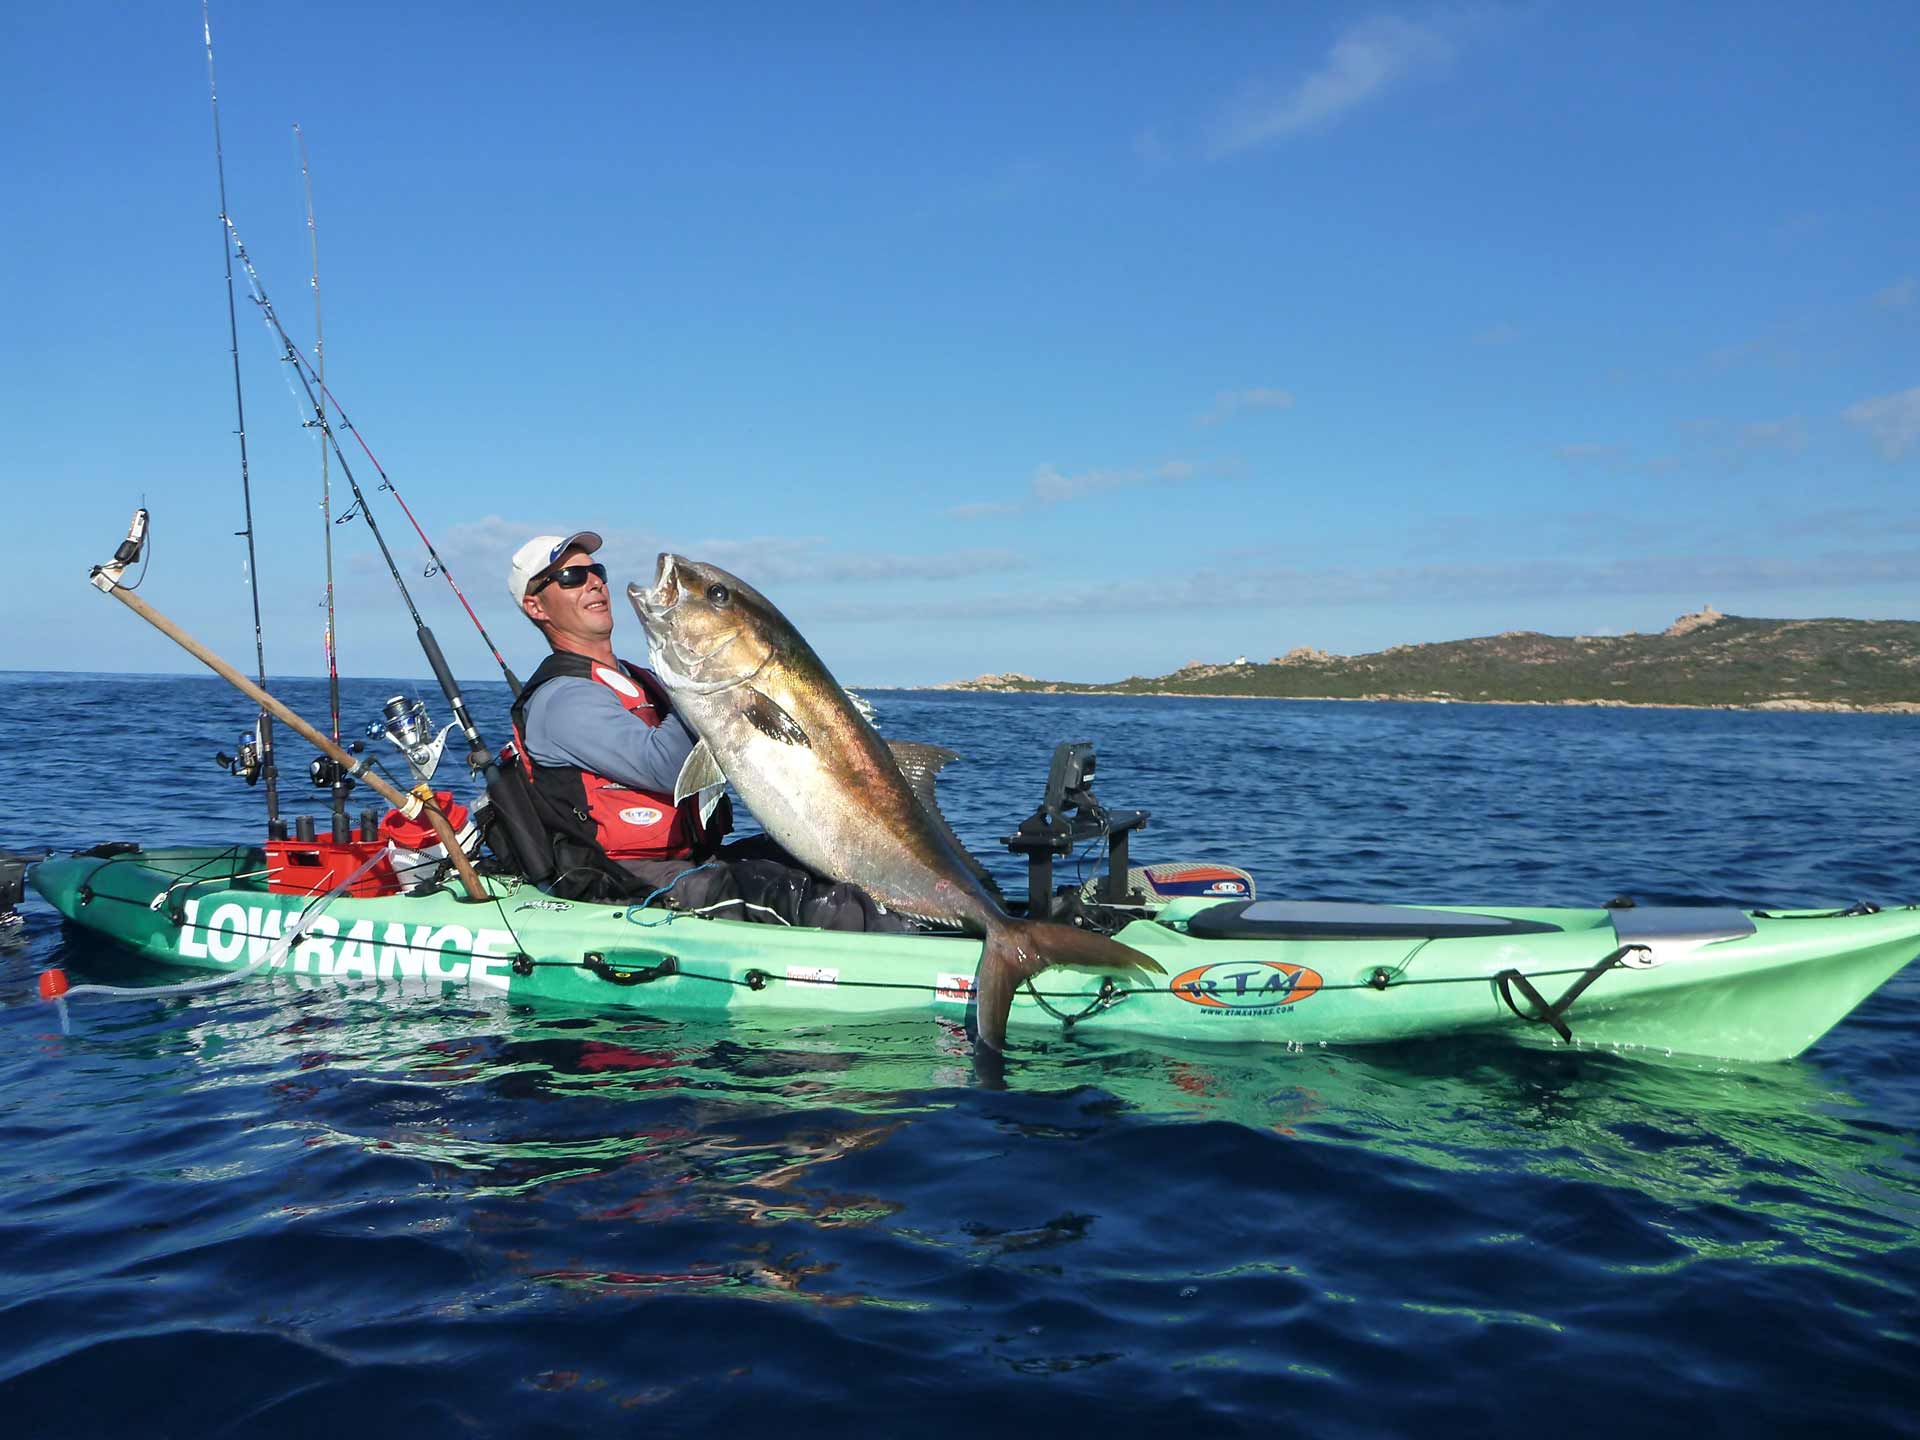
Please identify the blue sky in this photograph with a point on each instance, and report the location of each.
(1081, 340)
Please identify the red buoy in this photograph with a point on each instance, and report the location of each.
(53, 983)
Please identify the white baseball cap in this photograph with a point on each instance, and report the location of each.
(538, 555)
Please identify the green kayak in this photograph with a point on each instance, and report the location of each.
(1705, 981)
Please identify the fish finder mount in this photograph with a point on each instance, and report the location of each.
(1069, 816)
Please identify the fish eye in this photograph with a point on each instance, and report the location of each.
(718, 596)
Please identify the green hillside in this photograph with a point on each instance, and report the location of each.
(1702, 659)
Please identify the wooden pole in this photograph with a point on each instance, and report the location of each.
(107, 578)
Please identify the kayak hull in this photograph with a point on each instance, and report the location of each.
(1768, 988)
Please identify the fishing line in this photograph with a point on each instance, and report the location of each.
(272, 955)
(479, 757)
(436, 565)
(320, 419)
(267, 768)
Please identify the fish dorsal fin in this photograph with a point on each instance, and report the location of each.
(766, 715)
(918, 765)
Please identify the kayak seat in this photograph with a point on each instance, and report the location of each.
(1680, 924)
(1335, 920)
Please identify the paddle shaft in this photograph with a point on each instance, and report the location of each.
(469, 878)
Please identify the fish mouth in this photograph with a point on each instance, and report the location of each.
(673, 658)
(658, 600)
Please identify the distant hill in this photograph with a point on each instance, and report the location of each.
(1705, 659)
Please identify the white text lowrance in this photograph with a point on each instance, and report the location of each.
(237, 936)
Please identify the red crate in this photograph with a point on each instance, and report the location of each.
(313, 867)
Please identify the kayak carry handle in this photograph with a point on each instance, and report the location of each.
(1555, 1013)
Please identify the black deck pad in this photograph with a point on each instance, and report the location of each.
(1336, 920)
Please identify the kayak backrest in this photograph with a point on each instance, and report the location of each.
(1338, 920)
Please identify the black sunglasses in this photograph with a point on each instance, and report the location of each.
(571, 577)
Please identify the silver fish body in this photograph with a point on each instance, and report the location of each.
(824, 784)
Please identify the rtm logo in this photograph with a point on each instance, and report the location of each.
(1246, 988)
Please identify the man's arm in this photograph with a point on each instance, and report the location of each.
(579, 722)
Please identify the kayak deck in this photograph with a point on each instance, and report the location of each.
(1760, 985)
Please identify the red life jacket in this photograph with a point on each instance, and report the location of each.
(621, 822)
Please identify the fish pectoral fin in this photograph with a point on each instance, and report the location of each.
(699, 772)
(766, 715)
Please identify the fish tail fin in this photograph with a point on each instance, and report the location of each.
(1018, 950)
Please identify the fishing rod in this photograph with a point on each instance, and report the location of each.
(479, 755)
(106, 579)
(320, 418)
(264, 725)
(306, 368)
(318, 373)
(436, 565)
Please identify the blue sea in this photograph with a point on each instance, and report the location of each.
(278, 1211)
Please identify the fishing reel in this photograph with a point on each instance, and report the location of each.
(326, 772)
(245, 760)
(405, 724)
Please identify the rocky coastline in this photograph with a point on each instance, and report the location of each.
(1704, 660)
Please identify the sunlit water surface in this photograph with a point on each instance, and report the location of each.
(291, 1211)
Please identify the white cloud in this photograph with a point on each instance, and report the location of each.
(1891, 421)
(1229, 403)
(1052, 486)
(483, 547)
(1789, 435)
(1590, 456)
(1151, 150)
(763, 561)
(1765, 351)
(980, 509)
(1366, 61)
(1685, 576)
(1897, 296)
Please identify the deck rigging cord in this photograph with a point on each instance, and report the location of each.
(59, 991)
(320, 420)
(268, 770)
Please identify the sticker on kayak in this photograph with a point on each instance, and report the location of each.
(953, 987)
(424, 956)
(1246, 987)
(812, 975)
(1170, 881)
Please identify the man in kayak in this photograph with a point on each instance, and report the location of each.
(602, 748)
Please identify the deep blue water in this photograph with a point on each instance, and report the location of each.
(276, 1211)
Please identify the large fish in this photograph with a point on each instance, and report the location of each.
(826, 786)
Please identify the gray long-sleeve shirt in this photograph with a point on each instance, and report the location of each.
(580, 722)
